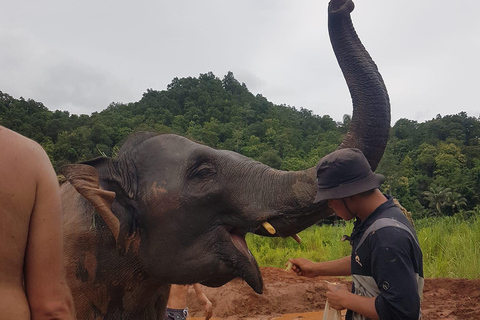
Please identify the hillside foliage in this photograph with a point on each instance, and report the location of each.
(433, 168)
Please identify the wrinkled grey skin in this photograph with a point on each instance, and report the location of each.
(169, 210)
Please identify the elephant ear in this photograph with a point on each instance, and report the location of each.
(85, 178)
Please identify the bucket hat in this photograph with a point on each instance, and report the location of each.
(344, 173)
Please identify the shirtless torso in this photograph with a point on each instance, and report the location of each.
(32, 276)
(178, 298)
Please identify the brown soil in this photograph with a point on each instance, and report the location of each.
(287, 296)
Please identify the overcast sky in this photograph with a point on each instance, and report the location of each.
(82, 55)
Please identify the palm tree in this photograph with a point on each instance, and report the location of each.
(436, 197)
(455, 201)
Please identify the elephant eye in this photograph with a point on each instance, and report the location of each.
(204, 171)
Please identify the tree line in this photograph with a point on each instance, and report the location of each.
(433, 168)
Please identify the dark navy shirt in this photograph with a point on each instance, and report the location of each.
(387, 264)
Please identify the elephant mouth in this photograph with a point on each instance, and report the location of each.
(235, 260)
(241, 260)
(245, 266)
(238, 239)
(236, 256)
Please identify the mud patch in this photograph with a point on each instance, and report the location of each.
(288, 297)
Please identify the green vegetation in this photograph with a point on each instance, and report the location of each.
(450, 246)
(220, 113)
(432, 168)
(318, 243)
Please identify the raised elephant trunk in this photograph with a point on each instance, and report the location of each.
(368, 131)
(370, 123)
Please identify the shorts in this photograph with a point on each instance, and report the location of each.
(176, 314)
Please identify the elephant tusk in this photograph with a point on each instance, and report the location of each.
(269, 227)
(272, 230)
(297, 238)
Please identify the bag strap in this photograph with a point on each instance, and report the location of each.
(382, 223)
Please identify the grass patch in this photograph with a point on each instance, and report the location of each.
(450, 246)
(319, 243)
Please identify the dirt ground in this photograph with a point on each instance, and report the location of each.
(288, 297)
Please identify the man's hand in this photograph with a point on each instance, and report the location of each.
(208, 310)
(337, 294)
(303, 267)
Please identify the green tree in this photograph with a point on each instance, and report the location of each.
(455, 201)
(426, 159)
(270, 157)
(436, 196)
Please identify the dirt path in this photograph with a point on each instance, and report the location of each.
(288, 297)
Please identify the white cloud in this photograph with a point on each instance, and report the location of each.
(80, 56)
(58, 81)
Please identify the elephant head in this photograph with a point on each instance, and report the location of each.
(169, 210)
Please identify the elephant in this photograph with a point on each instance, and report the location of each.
(169, 210)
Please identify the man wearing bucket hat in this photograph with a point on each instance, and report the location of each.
(386, 261)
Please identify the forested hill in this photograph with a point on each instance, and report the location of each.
(220, 113)
(432, 167)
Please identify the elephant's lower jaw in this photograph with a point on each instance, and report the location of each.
(236, 260)
(245, 266)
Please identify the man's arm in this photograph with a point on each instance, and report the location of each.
(45, 282)
(203, 298)
(310, 269)
(339, 297)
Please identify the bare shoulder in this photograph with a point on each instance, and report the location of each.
(23, 159)
(19, 147)
(23, 165)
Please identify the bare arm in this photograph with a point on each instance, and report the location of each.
(45, 281)
(307, 268)
(203, 298)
